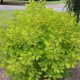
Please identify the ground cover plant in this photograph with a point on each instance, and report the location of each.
(39, 42)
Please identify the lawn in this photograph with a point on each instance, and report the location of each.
(55, 2)
(5, 12)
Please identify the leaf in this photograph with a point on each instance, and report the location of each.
(68, 65)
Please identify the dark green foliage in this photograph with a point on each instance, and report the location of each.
(1, 1)
(39, 43)
(74, 6)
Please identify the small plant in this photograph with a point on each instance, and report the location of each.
(39, 43)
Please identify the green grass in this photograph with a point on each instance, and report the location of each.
(55, 2)
(5, 12)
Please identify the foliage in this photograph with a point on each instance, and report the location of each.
(39, 43)
(73, 6)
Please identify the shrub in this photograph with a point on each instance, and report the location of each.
(39, 43)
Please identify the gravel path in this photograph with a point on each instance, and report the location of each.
(58, 7)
